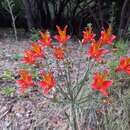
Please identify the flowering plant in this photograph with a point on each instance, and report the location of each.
(72, 79)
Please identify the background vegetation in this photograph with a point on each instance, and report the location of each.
(76, 13)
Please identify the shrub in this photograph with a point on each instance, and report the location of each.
(89, 85)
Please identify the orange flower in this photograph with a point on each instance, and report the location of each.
(88, 35)
(124, 64)
(29, 57)
(62, 38)
(45, 39)
(48, 82)
(101, 83)
(107, 37)
(37, 49)
(96, 51)
(59, 53)
(25, 80)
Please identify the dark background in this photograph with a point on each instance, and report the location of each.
(46, 14)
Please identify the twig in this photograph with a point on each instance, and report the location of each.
(4, 114)
(13, 18)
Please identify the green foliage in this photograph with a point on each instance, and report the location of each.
(17, 56)
(35, 35)
(112, 66)
(8, 91)
(122, 48)
(7, 75)
(35, 73)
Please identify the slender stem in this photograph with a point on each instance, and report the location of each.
(61, 90)
(47, 63)
(106, 121)
(85, 98)
(67, 74)
(73, 115)
(82, 81)
(63, 93)
(68, 84)
(79, 64)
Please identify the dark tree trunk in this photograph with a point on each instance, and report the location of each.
(125, 18)
(28, 13)
(48, 15)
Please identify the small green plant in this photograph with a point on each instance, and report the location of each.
(17, 56)
(121, 47)
(8, 91)
(7, 75)
(34, 35)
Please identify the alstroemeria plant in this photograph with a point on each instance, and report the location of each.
(56, 67)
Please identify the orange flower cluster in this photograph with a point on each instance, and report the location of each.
(59, 53)
(88, 35)
(48, 82)
(95, 51)
(45, 39)
(106, 36)
(124, 65)
(101, 83)
(25, 80)
(30, 56)
(62, 37)
(37, 51)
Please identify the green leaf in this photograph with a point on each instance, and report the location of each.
(122, 48)
(8, 91)
(35, 35)
(7, 74)
(17, 56)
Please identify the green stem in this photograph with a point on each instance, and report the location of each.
(61, 90)
(82, 81)
(68, 81)
(73, 116)
(63, 93)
